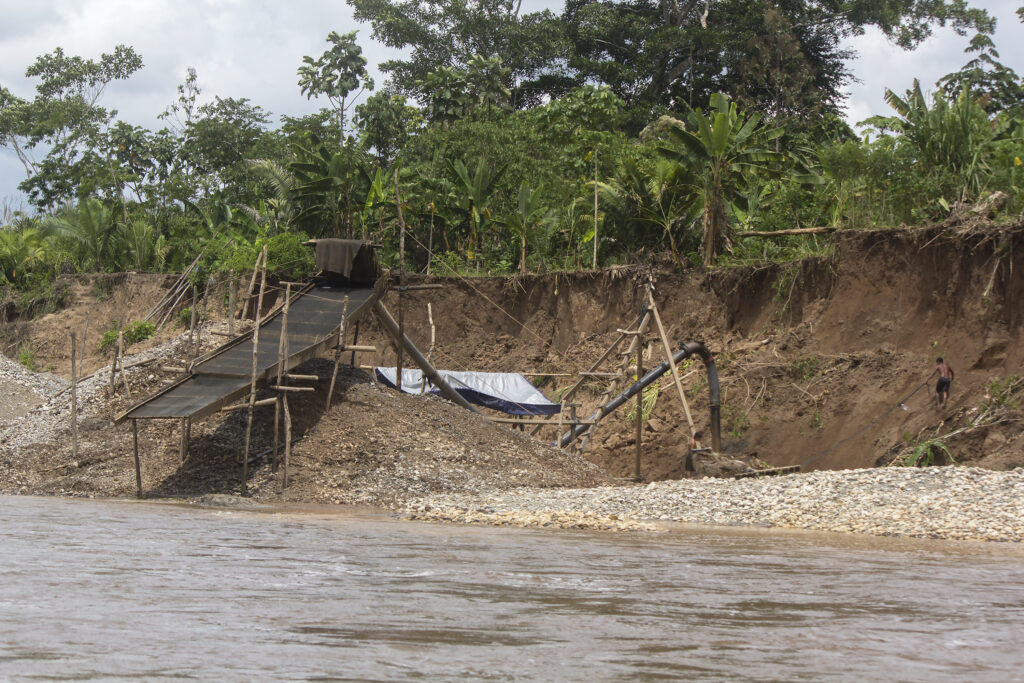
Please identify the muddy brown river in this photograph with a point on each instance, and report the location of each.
(123, 590)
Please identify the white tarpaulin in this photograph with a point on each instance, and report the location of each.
(508, 392)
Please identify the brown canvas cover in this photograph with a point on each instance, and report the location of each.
(337, 255)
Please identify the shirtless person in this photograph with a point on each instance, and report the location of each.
(945, 377)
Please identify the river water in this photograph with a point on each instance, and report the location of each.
(105, 590)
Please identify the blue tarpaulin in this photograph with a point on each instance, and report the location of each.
(508, 392)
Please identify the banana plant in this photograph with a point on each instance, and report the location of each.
(530, 214)
(712, 153)
(474, 192)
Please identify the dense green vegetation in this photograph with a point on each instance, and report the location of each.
(617, 131)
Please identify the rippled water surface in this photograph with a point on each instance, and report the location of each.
(101, 590)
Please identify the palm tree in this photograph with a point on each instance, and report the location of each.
(91, 228)
(714, 152)
(20, 251)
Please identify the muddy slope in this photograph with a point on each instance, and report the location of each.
(814, 359)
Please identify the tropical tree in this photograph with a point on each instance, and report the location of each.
(530, 214)
(91, 229)
(21, 251)
(949, 141)
(474, 192)
(339, 72)
(712, 154)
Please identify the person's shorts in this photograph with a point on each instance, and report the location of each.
(942, 386)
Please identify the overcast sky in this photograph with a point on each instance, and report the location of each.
(252, 48)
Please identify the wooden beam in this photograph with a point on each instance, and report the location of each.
(240, 406)
(276, 387)
(428, 370)
(671, 360)
(784, 233)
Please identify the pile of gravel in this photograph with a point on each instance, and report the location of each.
(935, 502)
(52, 417)
(42, 383)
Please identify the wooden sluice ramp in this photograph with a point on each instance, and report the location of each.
(224, 375)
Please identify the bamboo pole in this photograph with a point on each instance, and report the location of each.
(74, 397)
(401, 282)
(85, 341)
(282, 359)
(255, 364)
(113, 365)
(783, 233)
(231, 302)
(120, 362)
(183, 440)
(430, 353)
(594, 265)
(639, 413)
(252, 283)
(192, 318)
(138, 466)
(355, 340)
(338, 352)
(671, 360)
(243, 406)
(277, 428)
(392, 327)
(287, 439)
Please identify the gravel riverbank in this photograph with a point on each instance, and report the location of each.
(935, 502)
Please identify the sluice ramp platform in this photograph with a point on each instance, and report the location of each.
(224, 375)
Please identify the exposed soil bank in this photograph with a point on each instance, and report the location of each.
(814, 358)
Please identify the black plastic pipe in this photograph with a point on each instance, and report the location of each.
(686, 349)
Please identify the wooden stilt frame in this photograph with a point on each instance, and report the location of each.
(624, 366)
(252, 387)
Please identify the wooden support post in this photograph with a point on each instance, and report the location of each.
(183, 439)
(85, 341)
(255, 364)
(113, 366)
(430, 353)
(338, 351)
(74, 397)
(639, 413)
(231, 302)
(671, 360)
(428, 370)
(120, 362)
(277, 427)
(192, 318)
(252, 283)
(138, 466)
(355, 340)
(401, 281)
(287, 439)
